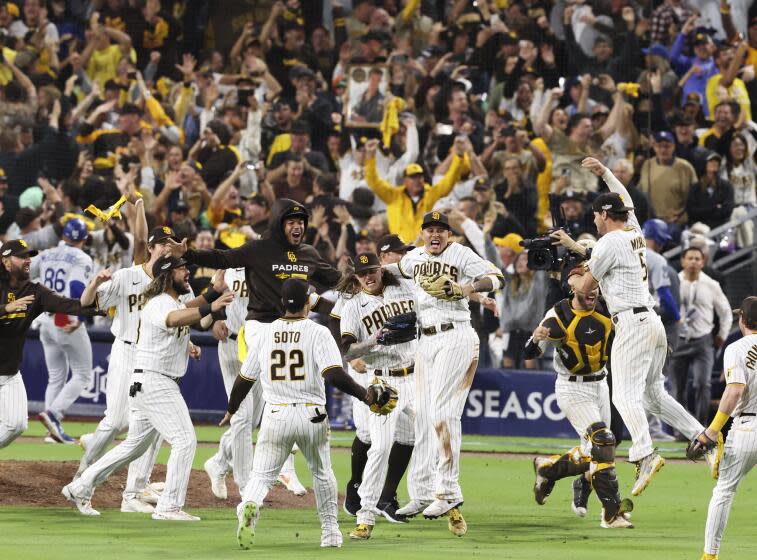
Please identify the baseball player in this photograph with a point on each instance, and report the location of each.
(618, 266)
(122, 291)
(739, 401)
(293, 356)
(157, 406)
(445, 274)
(372, 296)
(580, 327)
(235, 448)
(391, 249)
(21, 301)
(66, 270)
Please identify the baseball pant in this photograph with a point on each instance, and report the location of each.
(385, 430)
(63, 350)
(444, 368)
(739, 457)
(360, 412)
(638, 356)
(116, 420)
(695, 356)
(158, 410)
(13, 408)
(584, 404)
(235, 448)
(283, 426)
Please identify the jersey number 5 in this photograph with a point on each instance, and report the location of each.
(644, 271)
(295, 361)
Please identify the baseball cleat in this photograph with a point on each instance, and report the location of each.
(133, 505)
(152, 492)
(331, 539)
(413, 508)
(617, 522)
(542, 486)
(713, 456)
(352, 499)
(84, 505)
(362, 532)
(178, 515)
(248, 513)
(52, 423)
(707, 556)
(292, 483)
(49, 439)
(217, 479)
(581, 493)
(456, 522)
(389, 511)
(645, 471)
(437, 508)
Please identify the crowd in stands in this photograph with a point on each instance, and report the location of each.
(372, 112)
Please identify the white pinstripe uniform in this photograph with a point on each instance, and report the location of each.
(362, 315)
(289, 357)
(360, 413)
(157, 410)
(235, 448)
(640, 346)
(66, 270)
(123, 293)
(14, 408)
(740, 451)
(444, 368)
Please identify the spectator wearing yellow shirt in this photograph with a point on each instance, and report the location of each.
(406, 204)
(101, 56)
(225, 208)
(728, 61)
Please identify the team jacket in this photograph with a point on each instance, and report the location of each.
(267, 263)
(13, 326)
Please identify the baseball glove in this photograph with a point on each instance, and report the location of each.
(442, 286)
(398, 329)
(700, 446)
(382, 398)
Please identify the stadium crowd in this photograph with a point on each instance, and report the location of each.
(373, 112)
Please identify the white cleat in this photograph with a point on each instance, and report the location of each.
(331, 539)
(151, 493)
(85, 440)
(173, 516)
(646, 469)
(413, 508)
(292, 483)
(439, 508)
(217, 479)
(84, 505)
(134, 505)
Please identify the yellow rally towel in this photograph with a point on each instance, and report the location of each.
(390, 124)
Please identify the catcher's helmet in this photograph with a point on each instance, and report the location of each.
(657, 231)
(75, 230)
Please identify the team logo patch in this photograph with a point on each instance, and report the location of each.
(11, 297)
(363, 259)
(435, 215)
(291, 256)
(385, 247)
(23, 243)
(167, 231)
(6, 252)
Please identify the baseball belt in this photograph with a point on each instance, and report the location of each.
(430, 331)
(746, 414)
(401, 372)
(177, 380)
(635, 310)
(586, 378)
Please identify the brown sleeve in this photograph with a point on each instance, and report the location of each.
(239, 391)
(339, 379)
(52, 302)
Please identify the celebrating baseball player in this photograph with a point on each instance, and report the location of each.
(390, 250)
(618, 266)
(292, 357)
(22, 302)
(374, 299)
(157, 406)
(580, 327)
(739, 401)
(445, 274)
(65, 269)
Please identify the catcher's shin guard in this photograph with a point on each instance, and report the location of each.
(570, 464)
(602, 468)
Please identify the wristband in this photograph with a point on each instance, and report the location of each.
(219, 315)
(211, 294)
(719, 421)
(205, 310)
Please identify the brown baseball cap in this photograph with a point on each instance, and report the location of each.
(160, 233)
(748, 311)
(16, 248)
(392, 243)
(435, 219)
(366, 261)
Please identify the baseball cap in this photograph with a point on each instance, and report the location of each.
(435, 219)
(570, 194)
(701, 39)
(363, 235)
(656, 50)
(166, 263)
(664, 136)
(510, 38)
(294, 294)
(481, 184)
(714, 155)
(511, 241)
(374, 36)
(130, 109)
(300, 127)
(694, 98)
(31, 198)
(160, 233)
(366, 261)
(413, 170)
(393, 244)
(180, 206)
(256, 198)
(75, 230)
(748, 311)
(3, 176)
(294, 212)
(16, 248)
(27, 215)
(610, 202)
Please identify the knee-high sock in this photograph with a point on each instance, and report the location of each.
(359, 458)
(399, 459)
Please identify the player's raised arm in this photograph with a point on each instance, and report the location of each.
(214, 258)
(52, 302)
(613, 183)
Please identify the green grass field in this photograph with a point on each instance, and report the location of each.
(503, 520)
